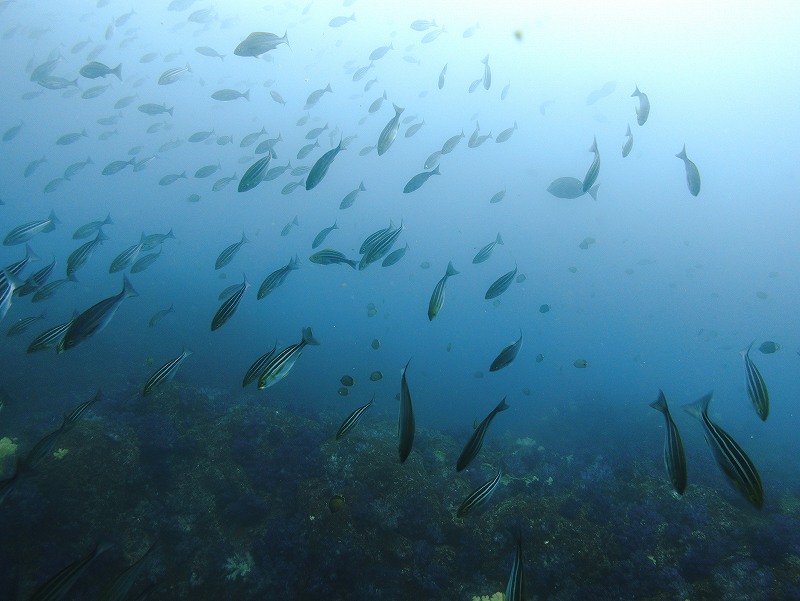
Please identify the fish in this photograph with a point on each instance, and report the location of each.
(173, 74)
(306, 150)
(210, 52)
(159, 315)
(280, 365)
(376, 376)
(119, 587)
(506, 134)
(58, 586)
(768, 347)
(277, 277)
(479, 496)
(316, 132)
(150, 108)
(329, 256)
(380, 52)
(692, 174)
(626, 148)
(498, 196)
(643, 110)
(37, 279)
(254, 174)
(433, 160)
(26, 231)
(222, 183)
(23, 324)
(115, 167)
(432, 35)
(71, 138)
(126, 257)
(94, 92)
(93, 70)
(501, 284)
(259, 365)
(229, 306)
(207, 170)
(350, 198)
(422, 25)
(580, 363)
(756, 387)
(75, 168)
(515, 589)
(504, 93)
(165, 373)
(144, 262)
(507, 355)
(437, 298)
(594, 168)
(31, 168)
(315, 96)
(394, 256)
(380, 246)
(451, 143)
(730, 457)
(57, 83)
(288, 227)
(45, 69)
(406, 425)
(277, 97)
(200, 136)
(227, 255)
(487, 73)
(226, 95)
(377, 103)
(414, 128)
(260, 42)
(49, 289)
(389, 132)
(475, 441)
(362, 72)
(566, 187)
(442, 75)
(674, 457)
(80, 255)
(418, 180)
(320, 168)
(95, 318)
(339, 21)
(320, 238)
(124, 101)
(352, 419)
(50, 337)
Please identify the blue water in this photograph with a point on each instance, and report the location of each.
(673, 287)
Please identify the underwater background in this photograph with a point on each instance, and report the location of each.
(644, 284)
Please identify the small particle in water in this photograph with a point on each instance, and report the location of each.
(572, 269)
(526, 391)
(496, 302)
(343, 391)
(587, 242)
(521, 278)
(376, 344)
(629, 271)
(544, 308)
(376, 375)
(478, 374)
(580, 363)
(762, 295)
(539, 358)
(449, 346)
(347, 380)
(769, 347)
(425, 264)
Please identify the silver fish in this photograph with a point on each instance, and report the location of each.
(475, 441)
(155, 109)
(505, 134)
(280, 365)
(501, 284)
(258, 367)
(406, 424)
(626, 148)
(692, 174)
(487, 73)
(228, 308)
(418, 180)
(226, 95)
(395, 256)
(315, 96)
(756, 387)
(277, 277)
(328, 256)
(144, 262)
(594, 168)
(674, 457)
(80, 255)
(26, 231)
(159, 315)
(320, 238)
(350, 198)
(50, 337)
(643, 110)
(479, 496)
(258, 43)
(442, 75)
(451, 143)
(320, 168)
(507, 355)
(254, 174)
(515, 589)
(389, 132)
(165, 373)
(437, 298)
(173, 74)
(93, 70)
(352, 419)
(227, 255)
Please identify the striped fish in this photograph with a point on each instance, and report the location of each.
(47, 290)
(16, 268)
(159, 315)
(127, 256)
(515, 589)
(674, 457)
(501, 284)
(6, 292)
(26, 231)
(71, 418)
(50, 338)
(320, 168)
(254, 174)
(352, 419)
(80, 255)
(756, 387)
(380, 247)
(406, 424)
(58, 586)
(277, 277)
(394, 256)
(475, 441)
(328, 256)
(258, 366)
(370, 240)
(389, 133)
(486, 251)
(88, 229)
(594, 169)
(279, 366)
(144, 262)
(118, 588)
(150, 241)
(43, 447)
(228, 308)
(730, 457)
(165, 373)
(507, 355)
(478, 497)
(320, 238)
(95, 318)
(23, 324)
(227, 255)
(37, 279)
(437, 298)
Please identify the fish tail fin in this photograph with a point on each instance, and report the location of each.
(244, 239)
(247, 95)
(361, 187)
(118, 71)
(499, 239)
(71, 277)
(636, 92)
(308, 336)
(169, 110)
(328, 88)
(700, 407)
(593, 191)
(682, 153)
(660, 403)
(436, 171)
(628, 131)
(593, 148)
(183, 175)
(501, 406)
(127, 287)
(29, 254)
(352, 263)
(746, 351)
(451, 270)
(107, 220)
(485, 61)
